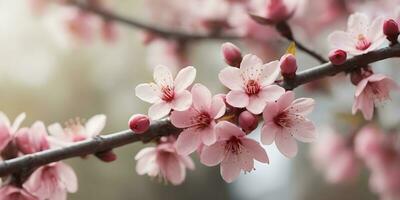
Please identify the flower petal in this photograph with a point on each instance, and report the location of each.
(251, 67)
(201, 97)
(208, 136)
(305, 131)
(183, 119)
(145, 152)
(255, 150)
(238, 99)
(218, 107)
(4, 119)
(175, 171)
(226, 130)
(256, 105)
(302, 106)
(188, 141)
(5, 136)
(230, 77)
(159, 110)
(67, 177)
(271, 93)
(18, 121)
(342, 40)
(271, 111)
(375, 30)
(230, 169)
(286, 100)
(162, 76)
(286, 144)
(95, 125)
(271, 72)
(148, 92)
(213, 155)
(182, 101)
(184, 78)
(358, 24)
(269, 132)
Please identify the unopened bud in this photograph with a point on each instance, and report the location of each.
(139, 123)
(232, 54)
(248, 121)
(337, 57)
(391, 30)
(288, 65)
(106, 156)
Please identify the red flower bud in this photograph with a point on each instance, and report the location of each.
(232, 54)
(106, 156)
(391, 30)
(139, 123)
(288, 65)
(248, 121)
(337, 57)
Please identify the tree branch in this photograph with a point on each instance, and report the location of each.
(164, 127)
(170, 34)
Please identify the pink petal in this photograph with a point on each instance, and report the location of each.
(175, 171)
(33, 183)
(270, 73)
(4, 119)
(145, 152)
(375, 30)
(184, 78)
(358, 24)
(238, 99)
(201, 97)
(269, 132)
(159, 110)
(302, 106)
(162, 76)
(271, 111)
(230, 169)
(225, 130)
(360, 87)
(230, 77)
(256, 105)
(183, 119)
(95, 125)
(246, 161)
(367, 107)
(147, 164)
(67, 177)
(305, 131)
(5, 136)
(18, 121)
(286, 144)
(342, 40)
(286, 100)
(250, 61)
(213, 155)
(218, 107)
(188, 141)
(187, 161)
(271, 93)
(182, 101)
(208, 136)
(376, 77)
(255, 150)
(148, 92)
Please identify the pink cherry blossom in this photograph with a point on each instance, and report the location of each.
(333, 155)
(251, 84)
(52, 181)
(370, 91)
(9, 192)
(198, 121)
(362, 36)
(7, 130)
(163, 161)
(75, 131)
(33, 139)
(166, 94)
(285, 120)
(233, 150)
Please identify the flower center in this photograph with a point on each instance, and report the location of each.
(233, 145)
(203, 120)
(75, 129)
(168, 93)
(283, 120)
(252, 87)
(363, 43)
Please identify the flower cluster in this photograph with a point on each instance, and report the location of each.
(217, 127)
(51, 181)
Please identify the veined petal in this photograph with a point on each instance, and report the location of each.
(302, 106)
(182, 101)
(145, 152)
(256, 150)
(208, 136)
(148, 92)
(213, 155)
(162, 76)
(226, 130)
(67, 177)
(286, 144)
(230, 169)
(201, 97)
(269, 132)
(238, 99)
(230, 77)
(159, 110)
(358, 24)
(184, 78)
(183, 119)
(286, 100)
(271, 72)
(271, 110)
(218, 107)
(175, 171)
(304, 131)
(251, 67)
(342, 40)
(256, 105)
(271, 93)
(375, 30)
(188, 141)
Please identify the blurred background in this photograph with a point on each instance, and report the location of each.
(53, 77)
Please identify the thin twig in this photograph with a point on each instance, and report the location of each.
(164, 127)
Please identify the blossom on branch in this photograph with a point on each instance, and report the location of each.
(167, 94)
(198, 121)
(251, 85)
(7, 130)
(285, 120)
(33, 139)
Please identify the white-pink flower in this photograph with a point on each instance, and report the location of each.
(362, 36)
(9, 192)
(52, 181)
(198, 121)
(251, 85)
(75, 131)
(7, 130)
(33, 139)
(370, 91)
(163, 161)
(233, 150)
(285, 120)
(167, 94)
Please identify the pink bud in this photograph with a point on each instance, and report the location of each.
(232, 54)
(248, 121)
(139, 123)
(337, 57)
(288, 65)
(106, 156)
(391, 30)
(277, 11)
